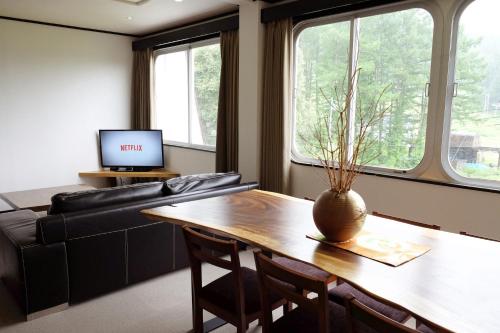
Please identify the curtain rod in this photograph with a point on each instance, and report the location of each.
(190, 32)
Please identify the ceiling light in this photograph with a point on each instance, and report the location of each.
(129, 18)
(178, 0)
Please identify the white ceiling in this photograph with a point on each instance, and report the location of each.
(117, 16)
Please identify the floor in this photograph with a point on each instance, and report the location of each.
(158, 305)
(162, 305)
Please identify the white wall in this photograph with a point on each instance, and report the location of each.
(57, 88)
(251, 36)
(188, 161)
(452, 208)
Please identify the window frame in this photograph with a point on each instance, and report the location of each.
(445, 147)
(434, 75)
(190, 79)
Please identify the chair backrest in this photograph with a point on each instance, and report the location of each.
(201, 249)
(290, 285)
(470, 235)
(418, 224)
(358, 313)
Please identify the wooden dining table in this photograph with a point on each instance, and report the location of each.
(455, 285)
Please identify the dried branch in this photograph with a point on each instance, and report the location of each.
(342, 159)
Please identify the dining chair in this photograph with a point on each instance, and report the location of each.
(418, 224)
(234, 297)
(480, 237)
(311, 314)
(360, 316)
(306, 269)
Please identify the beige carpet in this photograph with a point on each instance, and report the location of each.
(159, 305)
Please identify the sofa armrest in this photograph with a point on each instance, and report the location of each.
(35, 274)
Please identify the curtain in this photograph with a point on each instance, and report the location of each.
(226, 158)
(276, 101)
(141, 89)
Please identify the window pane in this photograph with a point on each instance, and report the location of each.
(395, 52)
(171, 96)
(321, 65)
(474, 145)
(206, 62)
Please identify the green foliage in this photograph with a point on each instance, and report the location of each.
(207, 64)
(395, 51)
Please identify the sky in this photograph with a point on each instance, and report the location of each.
(480, 18)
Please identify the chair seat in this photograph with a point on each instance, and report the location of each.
(424, 329)
(303, 268)
(339, 293)
(221, 292)
(300, 321)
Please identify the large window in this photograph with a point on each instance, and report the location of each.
(186, 93)
(393, 51)
(474, 141)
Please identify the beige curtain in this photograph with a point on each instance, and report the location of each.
(226, 158)
(141, 89)
(276, 101)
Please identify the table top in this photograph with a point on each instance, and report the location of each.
(39, 199)
(156, 173)
(455, 284)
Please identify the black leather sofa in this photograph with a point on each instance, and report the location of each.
(94, 242)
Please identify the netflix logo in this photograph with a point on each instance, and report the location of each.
(131, 147)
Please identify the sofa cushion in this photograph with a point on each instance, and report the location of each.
(71, 202)
(19, 227)
(200, 182)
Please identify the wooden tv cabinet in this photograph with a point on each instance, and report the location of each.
(127, 177)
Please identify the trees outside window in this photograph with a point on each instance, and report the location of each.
(393, 51)
(474, 142)
(186, 91)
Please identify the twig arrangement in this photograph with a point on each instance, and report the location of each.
(340, 145)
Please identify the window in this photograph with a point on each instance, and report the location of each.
(393, 50)
(474, 140)
(186, 93)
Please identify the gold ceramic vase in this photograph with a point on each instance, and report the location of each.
(339, 216)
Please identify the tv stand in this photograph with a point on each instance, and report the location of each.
(131, 169)
(157, 174)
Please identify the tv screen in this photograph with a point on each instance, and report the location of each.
(131, 149)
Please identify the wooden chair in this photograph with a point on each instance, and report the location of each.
(309, 270)
(306, 269)
(233, 297)
(480, 237)
(311, 315)
(360, 316)
(418, 224)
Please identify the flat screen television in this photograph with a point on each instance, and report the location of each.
(131, 150)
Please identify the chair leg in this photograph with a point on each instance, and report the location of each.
(287, 307)
(242, 327)
(197, 319)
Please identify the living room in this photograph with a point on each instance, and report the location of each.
(67, 71)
